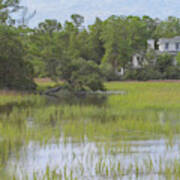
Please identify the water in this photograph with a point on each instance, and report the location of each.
(69, 156)
(84, 140)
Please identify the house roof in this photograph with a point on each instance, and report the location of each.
(170, 40)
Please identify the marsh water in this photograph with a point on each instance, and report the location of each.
(87, 139)
(89, 160)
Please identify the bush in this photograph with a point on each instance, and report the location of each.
(82, 75)
(162, 68)
(143, 74)
(163, 62)
(108, 72)
(172, 72)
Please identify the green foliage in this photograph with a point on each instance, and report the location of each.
(96, 45)
(123, 36)
(49, 26)
(64, 53)
(45, 48)
(108, 72)
(51, 49)
(166, 65)
(150, 57)
(164, 61)
(172, 72)
(110, 44)
(158, 67)
(82, 75)
(168, 28)
(15, 72)
(178, 59)
(78, 20)
(6, 8)
(143, 74)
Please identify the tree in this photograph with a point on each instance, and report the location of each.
(6, 8)
(65, 54)
(78, 20)
(123, 37)
(168, 28)
(15, 71)
(80, 75)
(45, 47)
(53, 48)
(150, 57)
(151, 25)
(49, 26)
(96, 48)
(117, 49)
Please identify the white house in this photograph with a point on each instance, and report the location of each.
(168, 45)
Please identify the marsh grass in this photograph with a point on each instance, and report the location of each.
(147, 111)
(144, 170)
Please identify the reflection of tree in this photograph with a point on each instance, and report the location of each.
(80, 98)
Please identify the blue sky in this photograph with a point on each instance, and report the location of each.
(90, 9)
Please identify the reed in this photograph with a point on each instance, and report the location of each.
(147, 111)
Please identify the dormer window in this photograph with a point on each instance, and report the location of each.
(167, 46)
(177, 46)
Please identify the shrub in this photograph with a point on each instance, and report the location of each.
(143, 74)
(162, 68)
(172, 72)
(163, 62)
(82, 75)
(108, 72)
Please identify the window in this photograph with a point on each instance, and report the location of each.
(177, 46)
(167, 46)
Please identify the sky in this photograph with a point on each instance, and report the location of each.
(90, 9)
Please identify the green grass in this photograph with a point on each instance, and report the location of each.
(148, 110)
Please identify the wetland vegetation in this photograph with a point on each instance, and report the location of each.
(134, 135)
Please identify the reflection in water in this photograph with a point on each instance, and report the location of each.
(91, 99)
(86, 138)
(93, 160)
(16, 122)
(8, 107)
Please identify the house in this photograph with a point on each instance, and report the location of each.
(163, 45)
(169, 45)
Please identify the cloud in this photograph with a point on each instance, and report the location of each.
(62, 9)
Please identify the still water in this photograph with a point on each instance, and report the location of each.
(89, 160)
(51, 140)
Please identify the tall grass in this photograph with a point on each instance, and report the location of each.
(146, 111)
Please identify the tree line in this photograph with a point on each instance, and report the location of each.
(83, 57)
